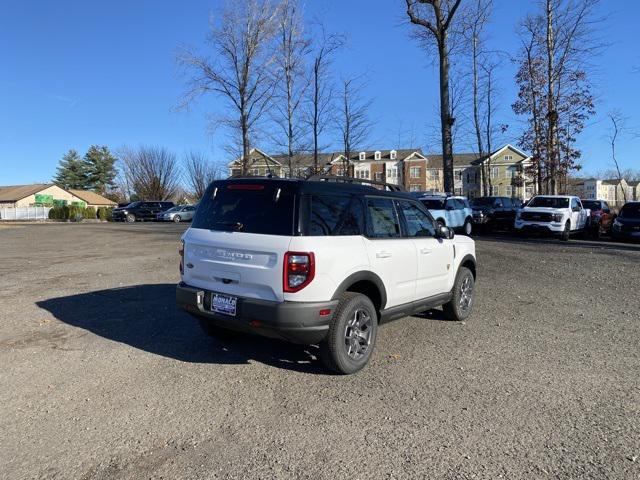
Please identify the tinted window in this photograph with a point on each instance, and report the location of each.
(630, 210)
(418, 222)
(336, 215)
(189, 209)
(433, 204)
(549, 202)
(482, 202)
(591, 204)
(458, 203)
(261, 208)
(506, 202)
(383, 218)
(450, 203)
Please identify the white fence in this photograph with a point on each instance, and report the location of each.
(24, 213)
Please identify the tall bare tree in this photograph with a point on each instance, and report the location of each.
(291, 53)
(617, 124)
(199, 172)
(321, 92)
(239, 68)
(436, 17)
(151, 173)
(354, 122)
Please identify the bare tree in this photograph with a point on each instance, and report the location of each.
(199, 172)
(435, 17)
(240, 69)
(321, 91)
(292, 49)
(152, 173)
(354, 122)
(617, 124)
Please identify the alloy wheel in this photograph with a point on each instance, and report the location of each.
(466, 294)
(357, 335)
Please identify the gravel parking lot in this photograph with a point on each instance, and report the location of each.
(103, 378)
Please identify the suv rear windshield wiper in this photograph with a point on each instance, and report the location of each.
(237, 226)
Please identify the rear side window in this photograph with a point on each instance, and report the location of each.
(251, 208)
(336, 215)
(383, 218)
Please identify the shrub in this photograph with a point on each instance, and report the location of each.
(76, 214)
(109, 214)
(65, 214)
(55, 213)
(89, 212)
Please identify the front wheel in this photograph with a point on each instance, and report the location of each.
(352, 334)
(177, 219)
(131, 218)
(461, 304)
(566, 233)
(468, 227)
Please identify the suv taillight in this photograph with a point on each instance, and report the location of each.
(181, 252)
(299, 270)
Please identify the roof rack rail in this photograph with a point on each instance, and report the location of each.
(335, 178)
(247, 177)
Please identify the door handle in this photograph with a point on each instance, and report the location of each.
(425, 251)
(383, 254)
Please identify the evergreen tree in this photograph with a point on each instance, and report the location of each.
(71, 172)
(99, 163)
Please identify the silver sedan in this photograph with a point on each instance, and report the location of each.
(177, 214)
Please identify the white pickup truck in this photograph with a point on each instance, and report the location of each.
(560, 215)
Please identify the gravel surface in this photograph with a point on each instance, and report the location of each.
(103, 378)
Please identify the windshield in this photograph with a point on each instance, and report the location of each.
(133, 205)
(549, 202)
(482, 202)
(249, 208)
(433, 204)
(591, 204)
(630, 210)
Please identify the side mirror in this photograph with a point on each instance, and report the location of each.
(445, 232)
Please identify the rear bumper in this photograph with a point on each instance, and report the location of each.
(297, 322)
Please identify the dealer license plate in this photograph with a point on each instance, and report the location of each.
(225, 304)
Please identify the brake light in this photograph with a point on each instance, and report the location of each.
(249, 186)
(299, 270)
(181, 252)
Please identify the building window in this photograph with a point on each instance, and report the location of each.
(508, 158)
(495, 172)
(236, 172)
(458, 174)
(362, 155)
(509, 191)
(393, 154)
(458, 190)
(414, 187)
(392, 172)
(434, 174)
(255, 171)
(378, 176)
(495, 190)
(529, 191)
(362, 174)
(415, 172)
(377, 155)
(340, 172)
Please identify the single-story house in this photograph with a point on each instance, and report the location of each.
(49, 194)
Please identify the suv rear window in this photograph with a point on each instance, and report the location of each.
(250, 208)
(336, 215)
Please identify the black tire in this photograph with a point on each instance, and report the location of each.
(467, 228)
(216, 332)
(352, 334)
(456, 308)
(441, 223)
(177, 219)
(566, 233)
(130, 218)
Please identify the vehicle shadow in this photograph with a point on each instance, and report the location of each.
(146, 317)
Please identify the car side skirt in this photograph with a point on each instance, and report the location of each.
(411, 308)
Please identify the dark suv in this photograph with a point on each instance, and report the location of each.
(147, 210)
(491, 213)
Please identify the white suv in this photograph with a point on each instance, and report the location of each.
(319, 262)
(555, 214)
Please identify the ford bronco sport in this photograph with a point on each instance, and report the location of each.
(319, 262)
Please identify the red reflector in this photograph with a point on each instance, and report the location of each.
(235, 186)
(325, 311)
(255, 323)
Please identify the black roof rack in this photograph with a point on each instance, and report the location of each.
(364, 181)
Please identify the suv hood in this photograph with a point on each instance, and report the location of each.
(542, 209)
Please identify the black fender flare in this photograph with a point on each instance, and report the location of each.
(470, 258)
(358, 277)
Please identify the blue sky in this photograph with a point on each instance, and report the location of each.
(76, 73)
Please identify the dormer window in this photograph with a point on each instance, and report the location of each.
(362, 155)
(377, 155)
(393, 154)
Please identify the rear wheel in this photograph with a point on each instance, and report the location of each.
(131, 218)
(352, 334)
(468, 227)
(216, 332)
(461, 304)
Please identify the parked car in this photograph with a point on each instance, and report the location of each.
(323, 262)
(561, 215)
(601, 217)
(147, 210)
(453, 212)
(177, 214)
(626, 226)
(490, 213)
